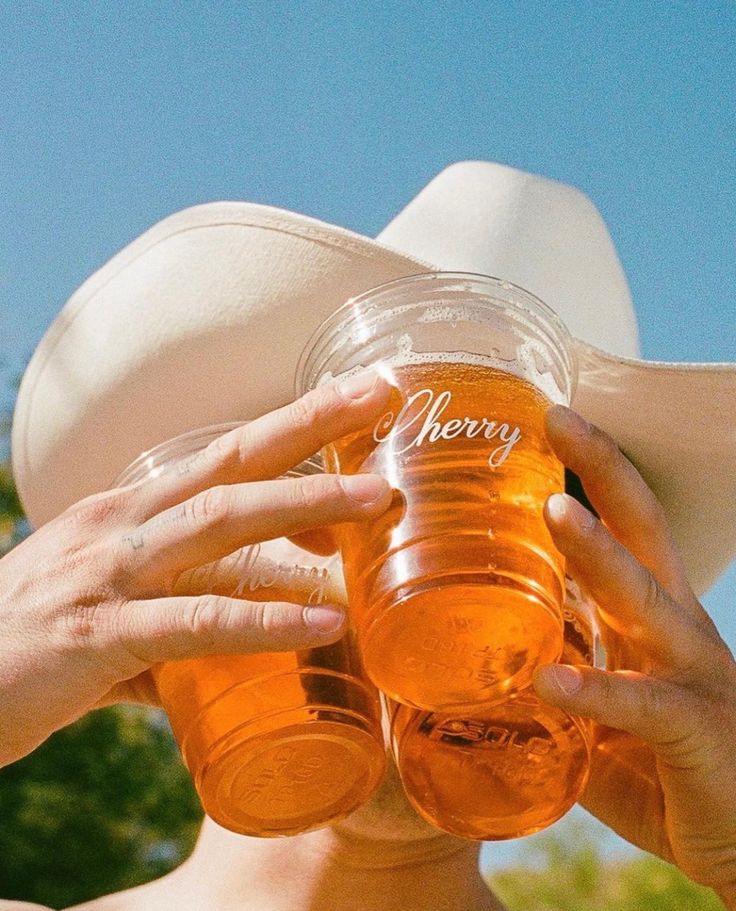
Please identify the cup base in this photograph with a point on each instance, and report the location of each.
(292, 779)
(460, 646)
(504, 773)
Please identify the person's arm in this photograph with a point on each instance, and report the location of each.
(664, 765)
(89, 602)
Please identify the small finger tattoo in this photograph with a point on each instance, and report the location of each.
(135, 541)
(186, 466)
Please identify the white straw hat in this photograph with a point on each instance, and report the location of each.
(202, 319)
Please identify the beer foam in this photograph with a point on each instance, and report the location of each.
(528, 363)
(444, 313)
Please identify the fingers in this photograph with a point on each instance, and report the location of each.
(623, 765)
(277, 571)
(629, 597)
(139, 690)
(222, 519)
(620, 496)
(690, 730)
(270, 445)
(662, 714)
(167, 629)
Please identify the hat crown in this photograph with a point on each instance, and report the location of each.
(545, 236)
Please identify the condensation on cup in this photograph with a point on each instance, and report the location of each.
(276, 743)
(510, 770)
(457, 589)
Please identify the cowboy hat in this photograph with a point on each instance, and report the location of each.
(202, 320)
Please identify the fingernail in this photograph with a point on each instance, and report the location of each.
(561, 507)
(557, 506)
(323, 618)
(359, 384)
(365, 488)
(563, 678)
(570, 421)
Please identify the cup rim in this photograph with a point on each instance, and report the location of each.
(543, 315)
(193, 441)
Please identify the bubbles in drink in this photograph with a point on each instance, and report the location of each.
(450, 616)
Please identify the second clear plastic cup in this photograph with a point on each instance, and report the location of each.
(457, 589)
(276, 743)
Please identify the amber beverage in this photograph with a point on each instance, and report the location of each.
(508, 771)
(276, 743)
(457, 590)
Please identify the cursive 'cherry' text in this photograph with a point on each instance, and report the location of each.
(419, 422)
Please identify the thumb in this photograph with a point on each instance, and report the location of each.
(168, 629)
(657, 711)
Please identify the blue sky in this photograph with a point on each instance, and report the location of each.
(115, 115)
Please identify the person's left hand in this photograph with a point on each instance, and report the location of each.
(664, 763)
(90, 601)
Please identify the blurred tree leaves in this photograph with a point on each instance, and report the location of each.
(12, 524)
(103, 805)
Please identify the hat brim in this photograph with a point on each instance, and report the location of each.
(202, 319)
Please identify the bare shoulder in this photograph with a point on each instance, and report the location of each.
(159, 895)
(116, 902)
(21, 906)
(119, 901)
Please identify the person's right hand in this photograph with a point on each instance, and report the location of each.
(664, 761)
(90, 601)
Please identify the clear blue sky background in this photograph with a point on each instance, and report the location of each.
(114, 115)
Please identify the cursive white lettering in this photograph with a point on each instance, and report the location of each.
(257, 572)
(419, 422)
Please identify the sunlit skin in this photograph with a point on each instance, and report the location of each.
(104, 611)
(672, 697)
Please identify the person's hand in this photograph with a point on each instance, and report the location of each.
(664, 766)
(91, 600)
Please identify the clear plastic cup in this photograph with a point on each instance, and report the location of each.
(508, 771)
(276, 743)
(457, 589)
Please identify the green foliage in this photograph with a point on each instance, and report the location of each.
(12, 525)
(103, 805)
(566, 872)
(9, 502)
